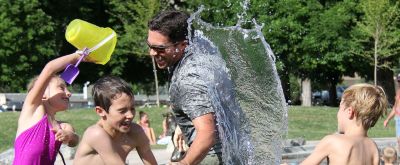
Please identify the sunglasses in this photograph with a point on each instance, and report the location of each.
(160, 48)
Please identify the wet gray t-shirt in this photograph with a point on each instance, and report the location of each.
(192, 84)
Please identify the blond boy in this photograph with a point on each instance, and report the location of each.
(361, 107)
(110, 140)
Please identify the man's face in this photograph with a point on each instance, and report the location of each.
(164, 52)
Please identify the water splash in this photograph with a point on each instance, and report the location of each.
(255, 136)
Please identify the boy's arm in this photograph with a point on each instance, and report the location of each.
(321, 151)
(143, 149)
(34, 96)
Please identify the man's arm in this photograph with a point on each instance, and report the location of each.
(321, 151)
(204, 140)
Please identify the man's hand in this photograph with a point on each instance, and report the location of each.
(179, 142)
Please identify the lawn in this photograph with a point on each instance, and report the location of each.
(310, 123)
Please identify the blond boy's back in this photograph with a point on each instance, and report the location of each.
(341, 149)
(352, 150)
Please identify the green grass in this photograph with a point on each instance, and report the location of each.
(313, 123)
(80, 120)
(310, 123)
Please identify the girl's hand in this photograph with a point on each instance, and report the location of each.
(63, 135)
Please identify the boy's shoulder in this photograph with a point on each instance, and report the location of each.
(95, 131)
(333, 141)
(136, 129)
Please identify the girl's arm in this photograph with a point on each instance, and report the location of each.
(34, 97)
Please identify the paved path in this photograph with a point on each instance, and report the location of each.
(293, 155)
(162, 157)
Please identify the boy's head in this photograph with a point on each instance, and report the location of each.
(109, 88)
(389, 155)
(114, 101)
(56, 94)
(368, 103)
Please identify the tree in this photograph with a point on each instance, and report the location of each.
(27, 42)
(326, 46)
(376, 39)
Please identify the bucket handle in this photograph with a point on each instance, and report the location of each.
(102, 42)
(87, 51)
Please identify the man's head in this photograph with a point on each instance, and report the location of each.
(364, 102)
(167, 37)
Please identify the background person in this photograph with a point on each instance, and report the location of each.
(395, 113)
(144, 122)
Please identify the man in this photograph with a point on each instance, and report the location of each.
(189, 91)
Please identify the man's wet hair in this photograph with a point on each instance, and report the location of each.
(171, 23)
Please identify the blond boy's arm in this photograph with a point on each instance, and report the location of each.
(321, 151)
(34, 96)
(143, 149)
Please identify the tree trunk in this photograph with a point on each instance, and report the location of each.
(333, 100)
(306, 92)
(285, 86)
(385, 80)
(156, 82)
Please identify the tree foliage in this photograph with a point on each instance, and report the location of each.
(27, 34)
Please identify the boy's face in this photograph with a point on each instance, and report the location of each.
(121, 113)
(57, 94)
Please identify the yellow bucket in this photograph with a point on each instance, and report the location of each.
(83, 34)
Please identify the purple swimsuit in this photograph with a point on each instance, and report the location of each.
(36, 145)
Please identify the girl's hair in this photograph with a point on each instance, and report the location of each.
(34, 79)
(107, 89)
(368, 101)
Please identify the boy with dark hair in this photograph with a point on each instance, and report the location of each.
(110, 140)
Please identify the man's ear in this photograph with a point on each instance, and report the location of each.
(100, 111)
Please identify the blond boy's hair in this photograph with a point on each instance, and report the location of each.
(389, 154)
(368, 101)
